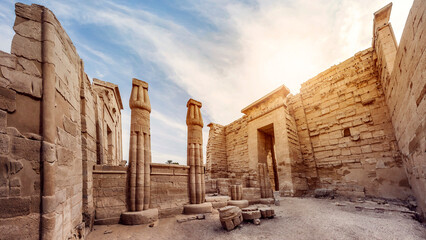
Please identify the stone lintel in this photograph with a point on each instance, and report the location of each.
(138, 82)
(280, 91)
(113, 87)
(194, 102)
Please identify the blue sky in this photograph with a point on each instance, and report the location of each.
(225, 54)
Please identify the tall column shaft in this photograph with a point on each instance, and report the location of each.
(194, 121)
(140, 148)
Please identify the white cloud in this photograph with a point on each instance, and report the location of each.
(235, 54)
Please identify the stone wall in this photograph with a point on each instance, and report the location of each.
(109, 191)
(169, 188)
(237, 149)
(405, 89)
(20, 140)
(339, 127)
(216, 165)
(109, 123)
(43, 54)
(350, 131)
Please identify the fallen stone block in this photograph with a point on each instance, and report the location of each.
(230, 217)
(251, 215)
(267, 212)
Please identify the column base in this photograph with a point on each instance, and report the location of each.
(197, 208)
(141, 217)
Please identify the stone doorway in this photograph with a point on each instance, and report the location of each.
(266, 154)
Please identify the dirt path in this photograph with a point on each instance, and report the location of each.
(297, 218)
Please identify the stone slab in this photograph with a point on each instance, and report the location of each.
(238, 203)
(217, 205)
(141, 217)
(197, 208)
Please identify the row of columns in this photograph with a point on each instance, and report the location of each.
(140, 149)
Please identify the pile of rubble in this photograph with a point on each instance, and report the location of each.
(232, 216)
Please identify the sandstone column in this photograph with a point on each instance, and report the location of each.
(139, 172)
(140, 147)
(194, 121)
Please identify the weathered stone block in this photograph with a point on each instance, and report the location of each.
(26, 47)
(13, 207)
(32, 12)
(25, 148)
(29, 29)
(7, 99)
(7, 60)
(23, 82)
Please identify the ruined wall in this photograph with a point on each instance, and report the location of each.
(41, 51)
(20, 140)
(169, 188)
(109, 191)
(405, 95)
(88, 146)
(308, 166)
(350, 131)
(298, 165)
(237, 149)
(216, 165)
(109, 117)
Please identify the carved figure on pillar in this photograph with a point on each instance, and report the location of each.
(194, 121)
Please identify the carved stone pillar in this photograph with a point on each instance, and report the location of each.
(139, 178)
(194, 121)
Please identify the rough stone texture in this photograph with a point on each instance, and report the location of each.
(402, 74)
(109, 193)
(169, 188)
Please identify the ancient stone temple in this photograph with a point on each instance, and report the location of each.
(355, 130)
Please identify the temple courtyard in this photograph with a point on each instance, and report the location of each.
(296, 218)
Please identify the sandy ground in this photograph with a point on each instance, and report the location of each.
(296, 218)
